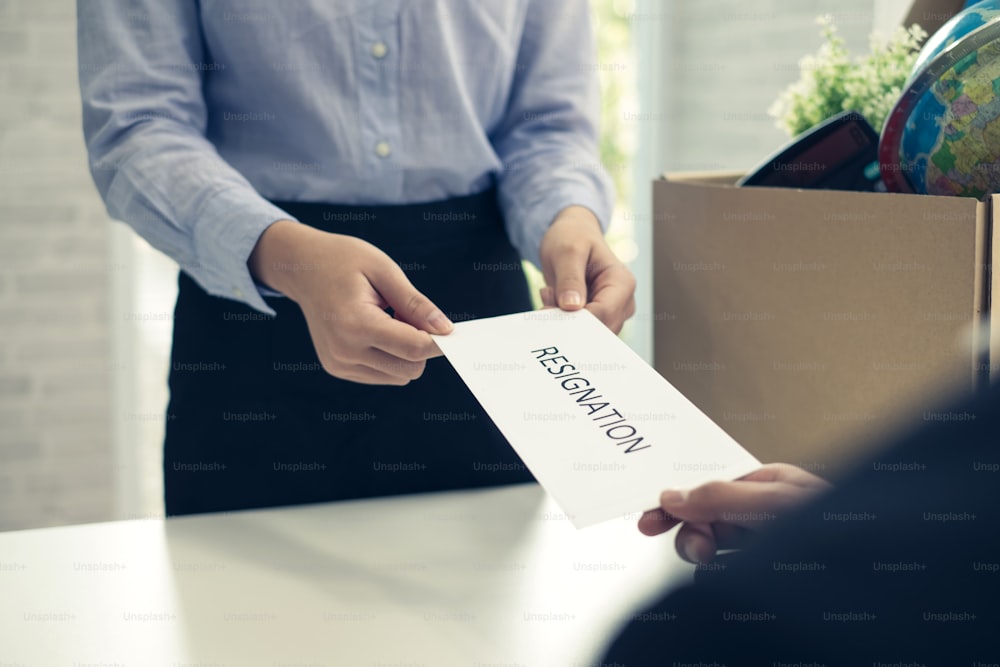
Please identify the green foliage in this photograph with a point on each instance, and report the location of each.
(614, 44)
(830, 82)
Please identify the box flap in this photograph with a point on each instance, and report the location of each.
(706, 177)
(994, 290)
(981, 296)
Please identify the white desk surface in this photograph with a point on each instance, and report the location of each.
(478, 578)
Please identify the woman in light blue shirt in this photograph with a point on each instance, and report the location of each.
(338, 179)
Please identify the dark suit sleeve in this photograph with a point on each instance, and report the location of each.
(897, 567)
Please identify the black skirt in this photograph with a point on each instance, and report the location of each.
(254, 420)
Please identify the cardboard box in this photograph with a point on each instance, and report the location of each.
(808, 323)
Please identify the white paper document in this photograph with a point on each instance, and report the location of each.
(601, 430)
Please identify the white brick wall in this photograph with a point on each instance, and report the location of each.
(56, 451)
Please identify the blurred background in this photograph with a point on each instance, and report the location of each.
(86, 305)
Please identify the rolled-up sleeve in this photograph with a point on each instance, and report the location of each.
(548, 140)
(141, 64)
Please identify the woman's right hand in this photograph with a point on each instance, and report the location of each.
(343, 286)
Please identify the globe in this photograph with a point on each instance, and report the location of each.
(943, 135)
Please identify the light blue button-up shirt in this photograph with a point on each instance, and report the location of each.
(196, 113)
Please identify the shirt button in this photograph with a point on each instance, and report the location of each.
(379, 49)
(237, 292)
(383, 149)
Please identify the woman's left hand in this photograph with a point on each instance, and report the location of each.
(581, 270)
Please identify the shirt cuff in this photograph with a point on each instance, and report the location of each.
(527, 225)
(268, 292)
(225, 234)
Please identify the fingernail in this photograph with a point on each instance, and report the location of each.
(691, 552)
(570, 298)
(438, 321)
(672, 498)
